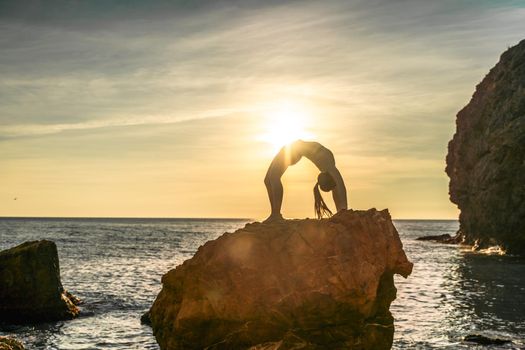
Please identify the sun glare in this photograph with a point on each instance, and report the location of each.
(285, 123)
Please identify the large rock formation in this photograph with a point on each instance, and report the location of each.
(486, 158)
(30, 287)
(309, 284)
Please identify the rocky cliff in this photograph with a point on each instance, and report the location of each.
(486, 158)
(30, 287)
(309, 284)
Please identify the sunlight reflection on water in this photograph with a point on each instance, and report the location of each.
(453, 292)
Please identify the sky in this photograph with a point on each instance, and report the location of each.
(176, 108)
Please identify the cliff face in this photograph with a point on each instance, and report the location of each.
(297, 283)
(486, 158)
(30, 287)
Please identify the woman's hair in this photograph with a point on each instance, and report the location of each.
(327, 183)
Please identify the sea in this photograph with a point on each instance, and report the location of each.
(115, 266)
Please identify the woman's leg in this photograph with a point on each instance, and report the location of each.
(277, 190)
(274, 188)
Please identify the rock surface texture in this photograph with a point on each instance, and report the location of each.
(7, 343)
(308, 284)
(30, 287)
(486, 158)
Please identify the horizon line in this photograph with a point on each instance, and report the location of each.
(186, 218)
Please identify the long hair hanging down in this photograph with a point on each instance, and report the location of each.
(321, 209)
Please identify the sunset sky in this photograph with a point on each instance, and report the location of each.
(176, 108)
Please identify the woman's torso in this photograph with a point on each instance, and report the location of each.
(321, 156)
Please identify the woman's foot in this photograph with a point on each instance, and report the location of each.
(274, 218)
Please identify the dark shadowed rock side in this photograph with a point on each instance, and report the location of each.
(309, 284)
(486, 158)
(30, 287)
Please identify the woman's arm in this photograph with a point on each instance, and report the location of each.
(339, 192)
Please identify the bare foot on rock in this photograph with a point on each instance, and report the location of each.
(274, 218)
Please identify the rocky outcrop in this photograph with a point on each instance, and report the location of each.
(486, 158)
(7, 343)
(483, 340)
(444, 238)
(309, 284)
(30, 287)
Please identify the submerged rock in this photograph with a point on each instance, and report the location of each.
(8, 343)
(145, 319)
(444, 238)
(30, 287)
(483, 340)
(486, 158)
(305, 284)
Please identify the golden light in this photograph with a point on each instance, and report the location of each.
(286, 122)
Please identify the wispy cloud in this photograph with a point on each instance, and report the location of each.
(19, 130)
(177, 60)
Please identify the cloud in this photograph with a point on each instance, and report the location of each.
(25, 130)
(88, 65)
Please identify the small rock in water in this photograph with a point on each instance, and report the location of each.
(439, 238)
(30, 286)
(8, 343)
(145, 319)
(482, 340)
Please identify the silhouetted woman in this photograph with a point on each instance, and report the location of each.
(329, 179)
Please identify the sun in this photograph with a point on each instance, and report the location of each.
(285, 122)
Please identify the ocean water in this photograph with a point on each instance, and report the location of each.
(115, 266)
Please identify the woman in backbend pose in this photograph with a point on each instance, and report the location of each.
(329, 179)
